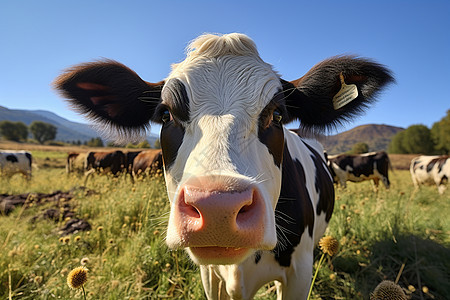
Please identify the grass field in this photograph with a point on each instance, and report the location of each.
(396, 233)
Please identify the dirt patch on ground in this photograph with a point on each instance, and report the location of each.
(10, 202)
(59, 208)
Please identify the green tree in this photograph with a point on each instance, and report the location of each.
(415, 139)
(440, 134)
(396, 144)
(418, 140)
(13, 131)
(95, 142)
(359, 148)
(43, 132)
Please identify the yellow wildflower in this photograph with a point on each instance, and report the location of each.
(77, 277)
(329, 245)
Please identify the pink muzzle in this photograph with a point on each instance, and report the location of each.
(219, 225)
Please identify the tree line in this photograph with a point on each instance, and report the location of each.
(18, 131)
(419, 139)
(44, 132)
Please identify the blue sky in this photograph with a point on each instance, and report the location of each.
(38, 39)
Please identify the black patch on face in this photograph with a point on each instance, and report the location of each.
(273, 138)
(174, 97)
(294, 210)
(12, 158)
(176, 102)
(324, 186)
(171, 137)
(270, 132)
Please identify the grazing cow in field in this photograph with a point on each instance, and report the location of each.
(75, 162)
(12, 162)
(130, 156)
(431, 169)
(359, 167)
(249, 199)
(113, 161)
(148, 162)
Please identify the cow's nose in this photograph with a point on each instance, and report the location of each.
(220, 218)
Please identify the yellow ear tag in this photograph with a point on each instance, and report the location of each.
(346, 94)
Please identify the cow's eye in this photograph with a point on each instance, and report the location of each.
(166, 116)
(277, 116)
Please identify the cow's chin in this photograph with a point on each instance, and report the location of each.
(218, 255)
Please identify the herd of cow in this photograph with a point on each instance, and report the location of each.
(249, 198)
(343, 167)
(131, 162)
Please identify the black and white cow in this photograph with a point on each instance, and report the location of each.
(13, 162)
(249, 199)
(431, 169)
(359, 167)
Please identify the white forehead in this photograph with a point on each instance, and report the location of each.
(225, 73)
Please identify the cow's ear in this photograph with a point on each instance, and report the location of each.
(334, 91)
(110, 93)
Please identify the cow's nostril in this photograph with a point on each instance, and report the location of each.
(244, 209)
(193, 211)
(189, 210)
(246, 214)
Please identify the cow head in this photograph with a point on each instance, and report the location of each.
(222, 112)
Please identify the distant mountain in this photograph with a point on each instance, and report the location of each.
(376, 136)
(67, 130)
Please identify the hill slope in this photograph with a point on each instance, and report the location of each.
(376, 136)
(67, 130)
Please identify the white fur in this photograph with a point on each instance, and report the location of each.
(226, 95)
(243, 281)
(22, 166)
(422, 176)
(228, 86)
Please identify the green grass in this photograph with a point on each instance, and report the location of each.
(380, 232)
(127, 258)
